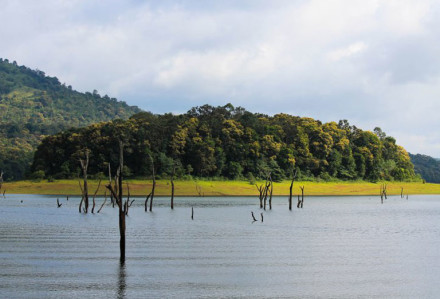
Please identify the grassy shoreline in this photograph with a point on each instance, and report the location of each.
(222, 188)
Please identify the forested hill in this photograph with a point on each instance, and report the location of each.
(33, 105)
(427, 167)
(227, 142)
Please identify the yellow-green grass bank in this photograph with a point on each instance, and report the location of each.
(222, 188)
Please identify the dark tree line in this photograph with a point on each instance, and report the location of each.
(228, 142)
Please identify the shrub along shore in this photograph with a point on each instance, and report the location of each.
(222, 188)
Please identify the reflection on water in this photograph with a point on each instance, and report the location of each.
(121, 280)
(334, 247)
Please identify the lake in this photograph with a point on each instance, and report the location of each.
(335, 247)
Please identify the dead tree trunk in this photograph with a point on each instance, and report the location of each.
(117, 194)
(260, 190)
(290, 191)
(302, 196)
(105, 199)
(172, 188)
(192, 213)
(127, 202)
(154, 182)
(94, 196)
(58, 203)
(266, 190)
(146, 202)
(82, 196)
(112, 200)
(299, 202)
(271, 191)
(383, 192)
(84, 165)
(1, 180)
(401, 192)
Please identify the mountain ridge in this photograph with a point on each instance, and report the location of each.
(33, 105)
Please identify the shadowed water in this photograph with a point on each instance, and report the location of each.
(335, 247)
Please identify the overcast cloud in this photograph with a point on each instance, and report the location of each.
(375, 63)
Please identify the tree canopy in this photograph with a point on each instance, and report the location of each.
(229, 142)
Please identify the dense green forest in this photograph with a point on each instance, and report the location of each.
(427, 167)
(33, 105)
(227, 142)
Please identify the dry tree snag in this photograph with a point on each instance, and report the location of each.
(271, 191)
(383, 192)
(299, 202)
(302, 196)
(115, 187)
(172, 188)
(154, 182)
(127, 202)
(290, 194)
(146, 202)
(105, 199)
(84, 165)
(260, 190)
(112, 200)
(58, 203)
(94, 196)
(82, 196)
(192, 213)
(401, 192)
(266, 190)
(1, 180)
(261, 217)
(117, 195)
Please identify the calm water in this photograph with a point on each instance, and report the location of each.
(335, 247)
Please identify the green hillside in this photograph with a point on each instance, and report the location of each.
(33, 105)
(428, 167)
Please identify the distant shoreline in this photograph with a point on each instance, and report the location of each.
(222, 188)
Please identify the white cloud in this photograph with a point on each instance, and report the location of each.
(347, 52)
(372, 62)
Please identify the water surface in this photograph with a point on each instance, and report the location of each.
(335, 247)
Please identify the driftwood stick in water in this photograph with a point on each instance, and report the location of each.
(58, 203)
(192, 213)
(253, 217)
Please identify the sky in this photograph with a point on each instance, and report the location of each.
(374, 63)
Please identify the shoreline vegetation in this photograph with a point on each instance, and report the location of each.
(224, 188)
